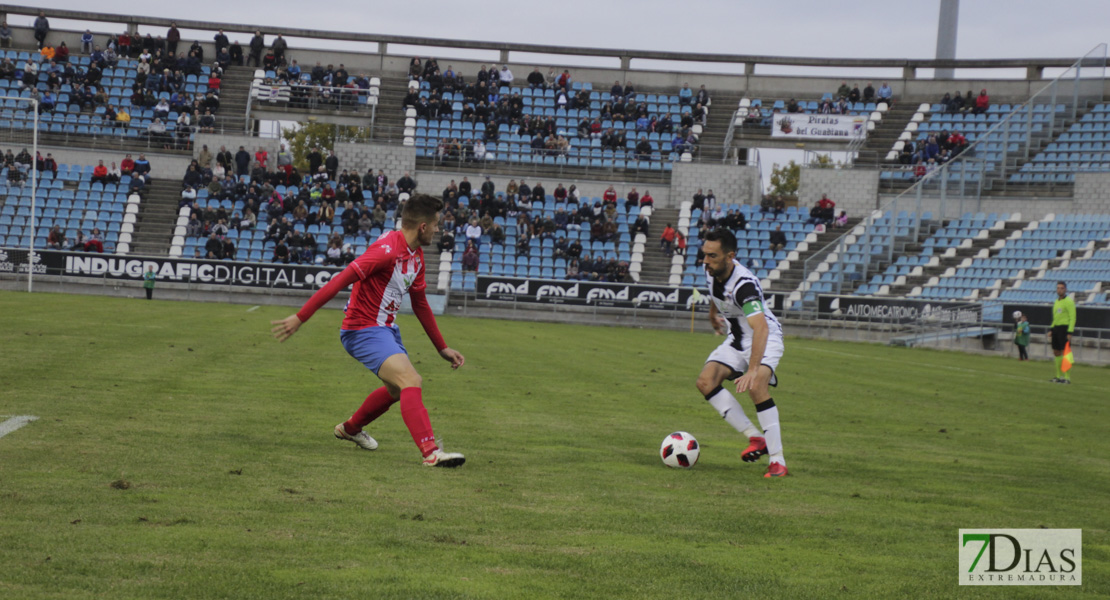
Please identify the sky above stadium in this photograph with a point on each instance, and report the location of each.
(862, 28)
(858, 29)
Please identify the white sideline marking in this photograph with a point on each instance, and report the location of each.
(15, 423)
(253, 308)
(950, 368)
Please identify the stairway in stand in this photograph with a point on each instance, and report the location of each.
(235, 89)
(156, 220)
(656, 266)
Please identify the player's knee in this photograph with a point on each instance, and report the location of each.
(412, 380)
(705, 384)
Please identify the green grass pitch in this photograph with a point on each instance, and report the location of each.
(182, 453)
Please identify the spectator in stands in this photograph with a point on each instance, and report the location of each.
(815, 214)
(87, 42)
(95, 241)
(140, 166)
(213, 248)
(632, 199)
(57, 239)
(279, 49)
(956, 104)
(42, 29)
(666, 240)
(828, 208)
(777, 239)
(792, 106)
(281, 253)
(5, 35)
(333, 256)
(854, 95)
(242, 161)
(842, 220)
(100, 173)
(643, 149)
(470, 257)
(702, 97)
(331, 164)
(641, 226)
(919, 171)
(885, 94)
(685, 95)
(869, 92)
(474, 232)
(188, 196)
(536, 79)
(982, 102)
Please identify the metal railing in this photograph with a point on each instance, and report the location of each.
(960, 182)
(53, 131)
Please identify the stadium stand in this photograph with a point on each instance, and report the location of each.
(575, 126)
(118, 100)
(70, 199)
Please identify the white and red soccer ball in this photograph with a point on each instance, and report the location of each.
(679, 450)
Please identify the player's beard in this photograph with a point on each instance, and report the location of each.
(425, 237)
(720, 272)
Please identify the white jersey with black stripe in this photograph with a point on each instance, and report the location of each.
(742, 287)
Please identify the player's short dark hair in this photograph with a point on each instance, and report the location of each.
(724, 237)
(420, 208)
(1063, 283)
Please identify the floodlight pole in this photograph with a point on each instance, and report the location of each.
(34, 193)
(946, 36)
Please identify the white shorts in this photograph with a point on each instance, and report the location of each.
(736, 360)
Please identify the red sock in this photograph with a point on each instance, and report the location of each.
(416, 419)
(373, 407)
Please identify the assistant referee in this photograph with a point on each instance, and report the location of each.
(1063, 324)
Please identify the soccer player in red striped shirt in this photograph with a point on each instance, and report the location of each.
(390, 268)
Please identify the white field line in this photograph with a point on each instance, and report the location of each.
(15, 423)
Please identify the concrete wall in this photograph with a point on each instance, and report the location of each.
(1092, 192)
(161, 166)
(393, 159)
(853, 190)
(731, 184)
(434, 183)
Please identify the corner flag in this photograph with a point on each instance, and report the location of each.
(1069, 358)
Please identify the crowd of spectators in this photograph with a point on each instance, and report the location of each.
(928, 155)
(969, 103)
(469, 214)
(495, 114)
(320, 87)
(19, 171)
(362, 202)
(160, 69)
(839, 103)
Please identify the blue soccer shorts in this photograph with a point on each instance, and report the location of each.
(373, 345)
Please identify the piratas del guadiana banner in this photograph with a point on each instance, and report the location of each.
(816, 126)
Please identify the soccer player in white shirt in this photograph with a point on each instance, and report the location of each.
(754, 337)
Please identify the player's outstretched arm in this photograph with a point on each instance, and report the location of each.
(453, 356)
(285, 328)
(289, 325)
